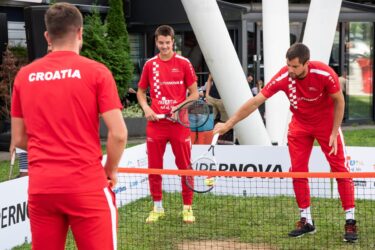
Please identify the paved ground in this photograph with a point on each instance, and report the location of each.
(346, 127)
(138, 140)
(4, 156)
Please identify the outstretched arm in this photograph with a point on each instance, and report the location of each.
(245, 110)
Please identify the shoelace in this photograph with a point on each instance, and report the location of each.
(300, 224)
(350, 228)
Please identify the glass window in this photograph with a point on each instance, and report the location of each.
(191, 50)
(358, 70)
(256, 63)
(251, 47)
(296, 32)
(178, 43)
(334, 59)
(137, 54)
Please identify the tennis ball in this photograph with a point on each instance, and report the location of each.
(209, 181)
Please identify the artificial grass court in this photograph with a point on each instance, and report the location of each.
(261, 222)
(227, 222)
(242, 222)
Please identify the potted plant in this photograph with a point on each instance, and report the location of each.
(134, 119)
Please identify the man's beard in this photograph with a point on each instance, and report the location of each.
(300, 76)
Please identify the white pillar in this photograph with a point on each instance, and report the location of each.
(214, 40)
(320, 28)
(276, 42)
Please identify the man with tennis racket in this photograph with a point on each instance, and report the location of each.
(317, 104)
(170, 78)
(55, 116)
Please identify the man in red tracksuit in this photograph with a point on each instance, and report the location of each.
(170, 78)
(317, 104)
(56, 105)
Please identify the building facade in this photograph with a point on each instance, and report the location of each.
(352, 55)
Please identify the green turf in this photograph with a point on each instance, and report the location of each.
(4, 170)
(359, 107)
(362, 137)
(259, 221)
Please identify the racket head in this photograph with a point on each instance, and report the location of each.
(202, 184)
(193, 114)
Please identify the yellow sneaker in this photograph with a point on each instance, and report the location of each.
(155, 215)
(188, 216)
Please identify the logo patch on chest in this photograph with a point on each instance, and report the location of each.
(313, 89)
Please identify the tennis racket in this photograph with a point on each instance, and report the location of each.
(203, 184)
(12, 160)
(192, 114)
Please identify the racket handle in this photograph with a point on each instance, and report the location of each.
(13, 157)
(214, 139)
(161, 116)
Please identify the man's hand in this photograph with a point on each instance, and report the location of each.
(221, 128)
(174, 113)
(112, 177)
(142, 101)
(12, 149)
(333, 143)
(150, 114)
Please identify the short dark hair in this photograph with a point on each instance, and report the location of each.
(164, 30)
(62, 19)
(300, 51)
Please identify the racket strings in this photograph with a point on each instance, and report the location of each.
(199, 184)
(193, 114)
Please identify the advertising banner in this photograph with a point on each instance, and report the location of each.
(361, 159)
(248, 158)
(14, 220)
(131, 187)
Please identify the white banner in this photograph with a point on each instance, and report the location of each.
(132, 187)
(250, 158)
(14, 220)
(361, 159)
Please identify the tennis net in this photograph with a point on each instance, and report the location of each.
(245, 210)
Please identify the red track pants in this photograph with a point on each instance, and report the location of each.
(300, 142)
(158, 134)
(92, 217)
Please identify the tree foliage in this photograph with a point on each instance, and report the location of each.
(8, 71)
(116, 23)
(119, 45)
(108, 43)
(95, 45)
